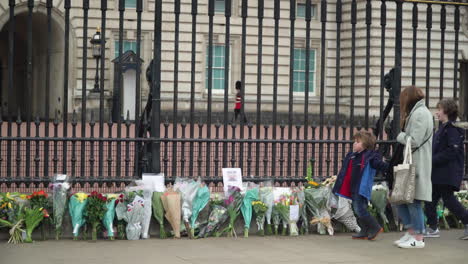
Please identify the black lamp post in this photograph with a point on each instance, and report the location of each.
(96, 45)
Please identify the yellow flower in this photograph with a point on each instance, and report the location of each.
(7, 195)
(313, 183)
(9, 205)
(112, 196)
(23, 196)
(81, 196)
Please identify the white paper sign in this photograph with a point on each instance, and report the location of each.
(232, 177)
(294, 212)
(156, 181)
(278, 191)
(60, 177)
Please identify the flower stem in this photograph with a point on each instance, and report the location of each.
(94, 231)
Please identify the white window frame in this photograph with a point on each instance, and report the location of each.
(205, 70)
(314, 88)
(314, 4)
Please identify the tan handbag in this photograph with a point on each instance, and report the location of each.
(404, 184)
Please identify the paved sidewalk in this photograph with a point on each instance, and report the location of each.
(304, 249)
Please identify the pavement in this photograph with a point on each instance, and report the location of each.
(303, 249)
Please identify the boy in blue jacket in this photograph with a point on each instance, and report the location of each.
(356, 179)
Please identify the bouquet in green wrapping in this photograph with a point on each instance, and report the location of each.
(379, 203)
(199, 203)
(77, 207)
(260, 210)
(246, 208)
(158, 212)
(108, 220)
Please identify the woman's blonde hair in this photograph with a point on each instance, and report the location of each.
(408, 99)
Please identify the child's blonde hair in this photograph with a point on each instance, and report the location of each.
(366, 138)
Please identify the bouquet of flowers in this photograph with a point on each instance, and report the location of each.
(8, 207)
(77, 208)
(302, 211)
(341, 210)
(294, 214)
(246, 208)
(145, 191)
(233, 203)
(158, 212)
(316, 201)
(188, 189)
(40, 200)
(59, 201)
(218, 216)
(32, 218)
(260, 209)
(120, 211)
(172, 207)
(282, 210)
(135, 215)
(266, 196)
(199, 202)
(379, 203)
(276, 218)
(108, 220)
(95, 211)
(10, 218)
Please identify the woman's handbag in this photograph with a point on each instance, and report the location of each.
(404, 185)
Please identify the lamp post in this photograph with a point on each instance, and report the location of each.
(96, 45)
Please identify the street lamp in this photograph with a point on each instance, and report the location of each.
(96, 45)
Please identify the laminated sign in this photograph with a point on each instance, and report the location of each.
(232, 177)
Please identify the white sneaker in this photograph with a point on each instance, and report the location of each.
(412, 243)
(404, 238)
(432, 233)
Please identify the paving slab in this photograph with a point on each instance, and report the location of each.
(303, 249)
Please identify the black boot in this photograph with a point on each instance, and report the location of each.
(374, 228)
(363, 233)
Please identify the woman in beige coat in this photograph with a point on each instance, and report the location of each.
(417, 124)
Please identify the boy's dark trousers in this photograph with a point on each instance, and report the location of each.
(370, 228)
(450, 202)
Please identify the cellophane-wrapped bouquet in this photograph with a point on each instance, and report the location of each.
(341, 210)
(218, 215)
(266, 196)
(316, 199)
(282, 210)
(59, 202)
(233, 203)
(188, 189)
(260, 209)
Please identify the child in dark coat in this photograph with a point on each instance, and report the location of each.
(447, 168)
(356, 179)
